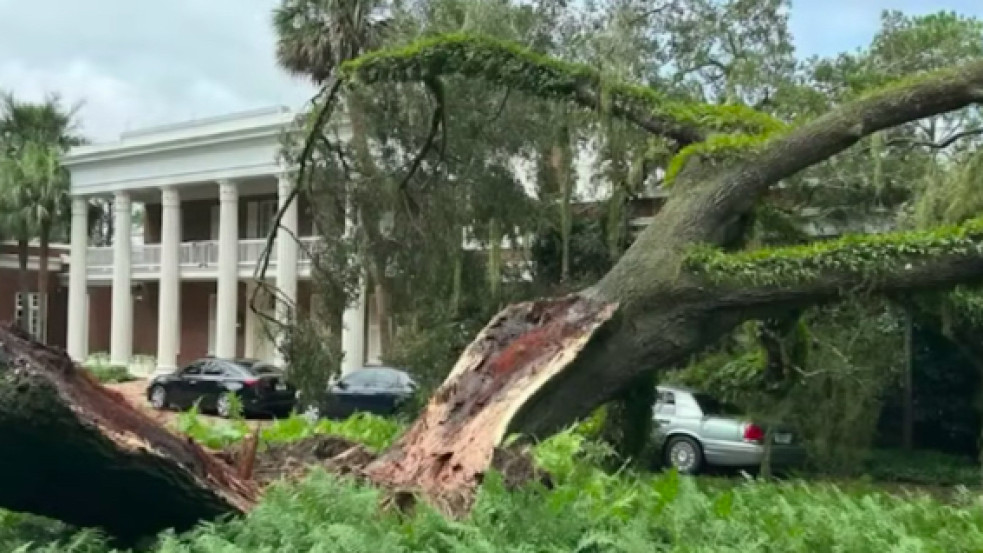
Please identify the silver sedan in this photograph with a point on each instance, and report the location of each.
(694, 429)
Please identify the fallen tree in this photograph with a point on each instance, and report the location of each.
(75, 451)
(672, 293)
(81, 455)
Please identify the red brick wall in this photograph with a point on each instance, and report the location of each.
(145, 301)
(100, 316)
(193, 320)
(57, 301)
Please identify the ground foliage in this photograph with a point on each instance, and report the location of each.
(587, 509)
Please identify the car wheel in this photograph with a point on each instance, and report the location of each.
(223, 406)
(158, 397)
(684, 454)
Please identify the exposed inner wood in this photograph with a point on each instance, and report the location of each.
(446, 452)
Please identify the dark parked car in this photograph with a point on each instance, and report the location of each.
(378, 390)
(261, 387)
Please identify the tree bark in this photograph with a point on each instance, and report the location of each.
(78, 452)
(45, 238)
(23, 254)
(908, 423)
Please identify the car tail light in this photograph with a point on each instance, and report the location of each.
(250, 382)
(753, 433)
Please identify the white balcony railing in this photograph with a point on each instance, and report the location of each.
(193, 256)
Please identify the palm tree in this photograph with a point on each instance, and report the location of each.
(314, 37)
(34, 188)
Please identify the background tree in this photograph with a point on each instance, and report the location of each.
(33, 185)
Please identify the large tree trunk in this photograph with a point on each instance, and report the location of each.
(446, 452)
(77, 452)
(664, 312)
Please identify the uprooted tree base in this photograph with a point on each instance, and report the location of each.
(446, 452)
(78, 452)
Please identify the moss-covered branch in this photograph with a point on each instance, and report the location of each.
(867, 258)
(510, 65)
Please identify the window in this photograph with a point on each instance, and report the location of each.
(213, 368)
(712, 406)
(259, 369)
(259, 217)
(29, 315)
(665, 404)
(193, 369)
(214, 218)
(362, 379)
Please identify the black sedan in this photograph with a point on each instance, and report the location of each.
(378, 390)
(261, 387)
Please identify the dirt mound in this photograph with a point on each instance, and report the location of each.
(294, 460)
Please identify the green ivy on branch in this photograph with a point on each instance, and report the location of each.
(511, 65)
(870, 255)
(717, 147)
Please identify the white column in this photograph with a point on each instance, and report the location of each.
(77, 339)
(353, 318)
(121, 338)
(251, 333)
(353, 334)
(286, 258)
(169, 304)
(228, 270)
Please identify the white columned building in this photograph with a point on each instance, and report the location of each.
(209, 190)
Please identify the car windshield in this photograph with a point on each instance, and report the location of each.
(713, 406)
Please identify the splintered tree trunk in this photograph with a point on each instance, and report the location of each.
(446, 452)
(75, 451)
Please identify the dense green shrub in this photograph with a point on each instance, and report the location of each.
(109, 374)
(373, 431)
(587, 510)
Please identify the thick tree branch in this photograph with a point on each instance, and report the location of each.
(803, 275)
(737, 189)
(519, 68)
(936, 145)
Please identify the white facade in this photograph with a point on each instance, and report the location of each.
(231, 161)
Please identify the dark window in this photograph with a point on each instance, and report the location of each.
(214, 369)
(667, 397)
(259, 369)
(712, 406)
(193, 369)
(362, 379)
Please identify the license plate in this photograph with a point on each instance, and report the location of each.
(280, 386)
(783, 439)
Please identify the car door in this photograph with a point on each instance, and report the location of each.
(181, 389)
(665, 414)
(353, 393)
(197, 385)
(212, 383)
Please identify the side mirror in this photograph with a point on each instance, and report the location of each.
(341, 385)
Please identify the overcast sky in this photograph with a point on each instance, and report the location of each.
(135, 63)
